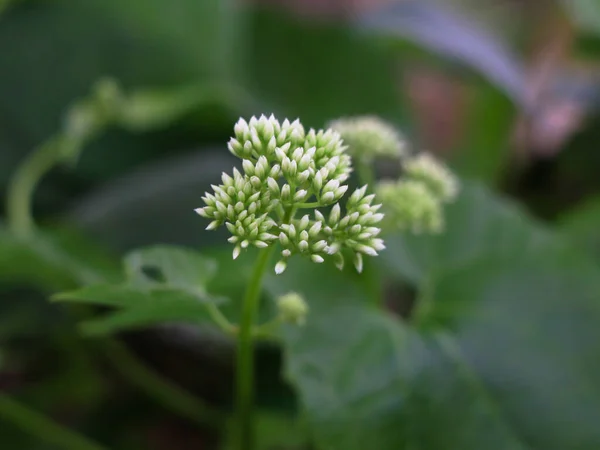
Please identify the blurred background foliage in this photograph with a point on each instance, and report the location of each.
(506, 91)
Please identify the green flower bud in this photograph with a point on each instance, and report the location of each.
(369, 137)
(292, 308)
(410, 205)
(434, 175)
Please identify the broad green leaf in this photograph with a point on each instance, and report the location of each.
(478, 225)
(297, 69)
(484, 152)
(166, 189)
(179, 268)
(164, 284)
(585, 14)
(582, 224)
(54, 260)
(142, 44)
(505, 358)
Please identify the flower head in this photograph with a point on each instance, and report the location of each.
(433, 174)
(369, 137)
(285, 170)
(410, 205)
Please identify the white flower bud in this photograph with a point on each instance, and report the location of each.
(317, 183)
(283, 238)
(315, 229)
(304, 222)
(339, 261)
(317, 259)
(273, 186)
(334, 216)
(319, 246)
(280, 267)
(300, 195)
(303, 176)
(327, 198)
(285, 192)
(213, 225)
(358, 262)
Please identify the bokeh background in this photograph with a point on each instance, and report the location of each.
(505, 91)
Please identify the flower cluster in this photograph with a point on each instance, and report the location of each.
(286, 169)
(415, 202)
(438, 179)
(369, 137)
(410, 206)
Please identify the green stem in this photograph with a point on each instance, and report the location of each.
(22, 224)
(46, 430)
(306, 205)
(245, 354)
(168, 394)
(267, 330)
(23, 184)
(220, 320)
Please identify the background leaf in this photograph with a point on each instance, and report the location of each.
(478, 225)
(439, 30)
(55, 259)
(499, 360)
(176, 292)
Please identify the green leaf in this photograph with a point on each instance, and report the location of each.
(484, 153)
(582, 224)
(585, 14)
(179, 268)
(57, 259)
(303, 80)
(506, 359)
(478, 225)
(174, 292)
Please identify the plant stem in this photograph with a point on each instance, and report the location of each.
(22, 224)
(245, 354)
(23, 184)
(42, 427)
(166, 393)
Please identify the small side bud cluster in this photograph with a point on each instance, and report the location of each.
(415, 202)
(410, 206)
(438, 179)
(286, 169)
(369, 137)
(292, 308)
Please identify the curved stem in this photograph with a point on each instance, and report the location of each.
(22, 224)
(245, 354)
(46, 430)
(220, 320)
(306, 205)
(23, 184)
(267, 330)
